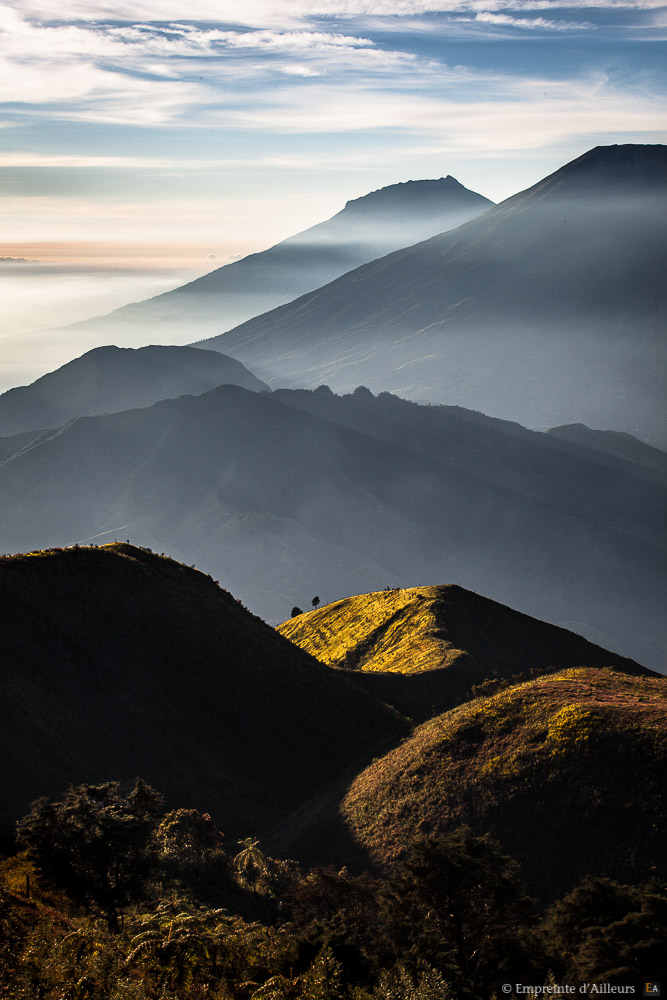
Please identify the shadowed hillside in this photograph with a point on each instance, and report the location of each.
(118, 663)
(109, 379)
(445, 639)
(289, 494)
(567, 771)
(549, 308)
(366, 228)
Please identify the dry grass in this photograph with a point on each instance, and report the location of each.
(398, 631)
(569, 771)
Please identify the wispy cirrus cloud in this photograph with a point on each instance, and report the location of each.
(213, 76)
(211, 89)
(531, 23)
(143, 74)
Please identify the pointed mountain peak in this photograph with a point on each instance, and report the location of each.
(607, 170)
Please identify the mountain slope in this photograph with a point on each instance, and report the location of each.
(567, 771)
(549, 308)
(15, 443)
(289, 494)
(109, 379)
(118, 663)
(441, 641)
(616, 443)
(368, 227)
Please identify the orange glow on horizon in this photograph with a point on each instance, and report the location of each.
(113, 254)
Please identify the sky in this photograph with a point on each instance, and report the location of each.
(145, 141)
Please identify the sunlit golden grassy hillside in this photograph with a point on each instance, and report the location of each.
(568, 771)
(424, 649)
(427, 628)
(394, 630)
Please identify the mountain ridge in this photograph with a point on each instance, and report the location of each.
(426, 649)
(387, 492)
(118, 662)
(111, 379)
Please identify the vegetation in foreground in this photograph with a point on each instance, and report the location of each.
(109, 894)
(108, 897)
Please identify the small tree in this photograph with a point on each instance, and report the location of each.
(188, 837)
(191, 857)
(296, 610)
(250, 862)
(315, 601)
(95, 843)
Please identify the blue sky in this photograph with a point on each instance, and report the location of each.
(176, 121)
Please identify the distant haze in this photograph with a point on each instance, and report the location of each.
(47, 285)
(365, 229)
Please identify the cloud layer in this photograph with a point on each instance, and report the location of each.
(142, 102)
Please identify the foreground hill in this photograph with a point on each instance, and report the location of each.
(368, 227)
(549, 308)
(441, 641)
(290, 494)
(567, 771)
(109, 379)
(118, 663)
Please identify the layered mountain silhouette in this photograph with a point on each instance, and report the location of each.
(575, 762)
(288, 494)
(118, 663)
(549, 308)
(424, 649)
(109, 379)
(368, 227)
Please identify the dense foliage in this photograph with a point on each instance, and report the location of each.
(109, 898)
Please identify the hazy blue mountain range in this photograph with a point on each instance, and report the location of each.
(289, 494)
(108, 379)
(549, 308)
(368, 227)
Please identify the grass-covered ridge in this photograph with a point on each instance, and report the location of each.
(389, 630)
(116, 661)
(568, 771)
(418, 629)
(424, 649)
